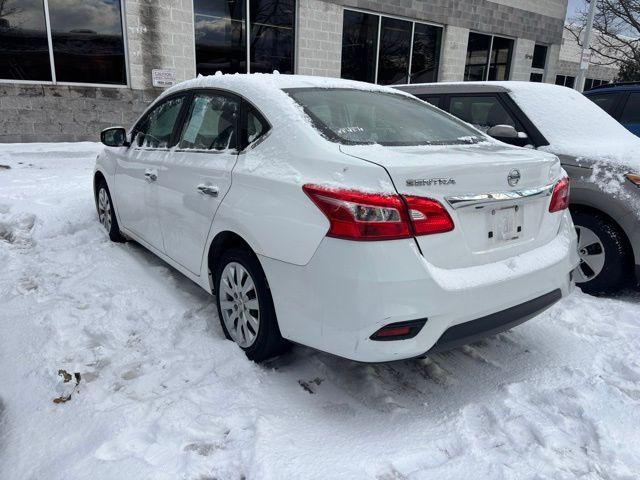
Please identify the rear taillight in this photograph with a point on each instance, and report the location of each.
(633, 178)
(356, 215)
(560, 197)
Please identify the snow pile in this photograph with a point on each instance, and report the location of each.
(162, 394)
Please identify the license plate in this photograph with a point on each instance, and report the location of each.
(505, 224)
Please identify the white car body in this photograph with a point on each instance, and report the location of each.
(334, 294)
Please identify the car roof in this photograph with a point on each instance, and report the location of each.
(454, 87)
(631, 87)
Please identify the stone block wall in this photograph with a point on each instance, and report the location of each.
(47, 113)
(319, 38)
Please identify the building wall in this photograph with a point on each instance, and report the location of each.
(160, 35)
(569, 61)
(319, 46)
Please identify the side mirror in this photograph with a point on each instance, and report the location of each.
(114, 137)
(508, 134)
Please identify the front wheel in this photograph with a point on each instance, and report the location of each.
(245, 305)
(605, 260)
(106, 214)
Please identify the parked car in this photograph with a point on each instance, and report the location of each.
(600, 156)
(348, 217)
(621, 101)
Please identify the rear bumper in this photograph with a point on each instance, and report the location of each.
(349, 290)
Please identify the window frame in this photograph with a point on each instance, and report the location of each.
(52, 65)
(411, 45)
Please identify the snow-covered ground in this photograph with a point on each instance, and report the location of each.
(162, 394)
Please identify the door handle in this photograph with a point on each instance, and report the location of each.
(208, 190)
(151, 175)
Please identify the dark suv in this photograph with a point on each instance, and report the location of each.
(621, 101)
(600, 156)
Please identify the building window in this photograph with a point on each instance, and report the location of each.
(488, 58)
(86, 35)
(24, 49)
(539, 57)
(427, 43)
(591, 83)
(395, 48)
(359, 46)
(385, 50)
(565, 80)
(536, 77)
(221, 36)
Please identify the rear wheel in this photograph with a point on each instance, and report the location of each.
(605, 259)
(245, 305)
(106, 214)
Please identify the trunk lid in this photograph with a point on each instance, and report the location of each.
(485, 230)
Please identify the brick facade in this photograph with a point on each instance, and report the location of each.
(160, 34)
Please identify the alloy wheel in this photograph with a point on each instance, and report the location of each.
(104, 209)
(239, 304)
(592, 256)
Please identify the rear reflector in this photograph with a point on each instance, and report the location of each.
(560, 197)
(633, 178)
(356, 215)
(399, 331)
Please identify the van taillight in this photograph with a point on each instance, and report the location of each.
(356, 215)
(560, 196)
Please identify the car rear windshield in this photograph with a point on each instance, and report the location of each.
(353, 117)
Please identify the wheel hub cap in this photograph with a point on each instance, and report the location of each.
(591, 252)
(104, 209)
(239, 304)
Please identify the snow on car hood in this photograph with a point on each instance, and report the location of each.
(574, 125)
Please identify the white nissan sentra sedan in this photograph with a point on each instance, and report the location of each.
(352, 218)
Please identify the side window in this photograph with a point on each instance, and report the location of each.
(631, 113)
(256, 125)
(156, 129)
(606, 101)
(433, 100)
(482, 112)
(211, 124)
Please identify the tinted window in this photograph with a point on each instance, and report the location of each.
(539, 57)
(631, 113)
(359, 46)
(211, 123)
(88, 45)
(482, 112)
(435, 101)
(220, 36)
(395, 46)
(363, 117)
(24, 50)
(501, 53)
(156, 129)
(425, 61)
(477, 57)
(606, 101)
(272, 35)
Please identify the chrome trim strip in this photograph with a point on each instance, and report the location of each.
(495, 197)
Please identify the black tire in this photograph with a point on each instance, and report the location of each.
(111, 226)
(268, 342)
(617, 271)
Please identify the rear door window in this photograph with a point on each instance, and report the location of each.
(483, 112)
(211, 123)
(606, 101)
